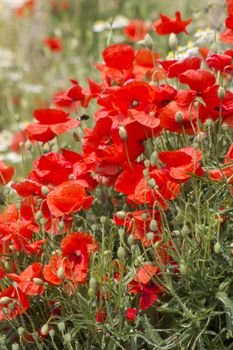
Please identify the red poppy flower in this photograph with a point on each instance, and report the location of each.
(166, 25)
(51, 122)
(218, 61)
(198, 80)
(25, 280)
(181, 162)
(77, 247)
(27, 7)
(143, 285)
(6, 173)
(178, 67)
(50, 270)
(54, 44)
(16, 305)
(131, 313)
(136, 30)
(119, 56)
(67, 198)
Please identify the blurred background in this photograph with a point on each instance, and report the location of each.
(44, 43)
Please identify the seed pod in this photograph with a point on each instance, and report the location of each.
(38, 281)
(44, 329)
(183, 269)
(120, 214)
(21, 331)
(152, 183)
(148, 41)
(61, 326)
(144, 216)
(15, 346)
(185, 230)
(217, 247)
(93, 282)
(60, 272)
(123, 133)
(51, 333)
(179, 117)
(5, 300)
(131, 239)
(91, 292)
(150, 236)
(221, 92)
(153, 225)
(44, 190)
(172, 41)
(121, 253)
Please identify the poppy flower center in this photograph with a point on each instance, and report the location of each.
(135, 103)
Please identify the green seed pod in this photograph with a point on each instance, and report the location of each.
(131, 239)
(152, 183)
(217, 247)
(15, 346)
(172, 41)
(44, 190)
(67, 338)
(208, 123)
(93, 282)
(61, 326)
(179, 117)
(121, 253)
(51, 333)
(185, 230)
(12, 306)
(120, 214)
(44, 329)
(153, 225)
(145, 172)
(225, 127)
(38, 281)
(60, 272)
(150, 236)
(103, 219)
(221, 92)
(61, 225)
(183, 269)
(91, 292)
(21, 331)
(144, 216)
(121, 232)
(148, 41)
(5, 300)
(123, 133)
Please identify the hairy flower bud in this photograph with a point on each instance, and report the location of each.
(221, 92)
(123, 133)
(172, 41)
(179, 117)
(121, 253)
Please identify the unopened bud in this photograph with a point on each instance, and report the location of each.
(172, 41)
(153, 225)
(147, 163)
(21, 331)
(148, 41)
(60, 272)
(44, 329)
(28, 145)
(103, 219)
(121, 252)
(144, 216)
(67, 338)
(225, 127)
(150, 236)
(183, 269)
(15, 346)
(179, 117)
(208, 123)
(185, 230)
(152, 183)
(217, 247)
(5, 300)
(44, 190)
(91, 292)
(120, 214)
(93, 282)
(131, 239)
(61, 326)
(52, 333)
(123, 133)
(38, 281)
(221, 92)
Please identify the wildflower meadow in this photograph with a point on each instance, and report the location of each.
(116, 175)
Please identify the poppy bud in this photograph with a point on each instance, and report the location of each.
(131, 239)
(185, 230)
(183, 269)
(93, 282)
(123, 133)
(152, 183)
(120, 214)
(38, 215)
(121, 232)
(44, 329)
(60, 272)
(12, 306)
(225, 127)
(103, 219)
(52, 333)
(42, 221)
(61, 326)
(179, 117)
(91, 292)
(67, 338)
(21, 331)
(176, 233)
(150, 236)
(217, 247)
(153, 225)
(172, 41)
(221, 92)
(44, 190)
(144, 216)
(121, 252)
(38, 281)
(61, 225)
(18, 204)
(145, 172)
(15, 346)
(208, 122)
(5, 300)
(148, 41)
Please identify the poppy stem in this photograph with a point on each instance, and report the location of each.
(127, 155)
